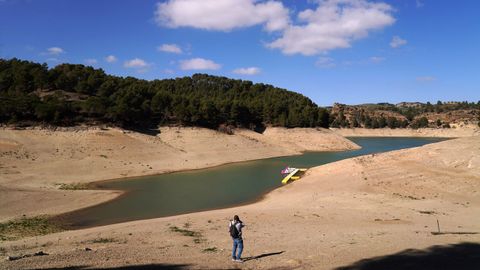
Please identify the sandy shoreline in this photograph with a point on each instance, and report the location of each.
(342, 212)
(374, 206)
(35, 163)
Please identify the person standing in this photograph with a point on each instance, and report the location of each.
(235, 228)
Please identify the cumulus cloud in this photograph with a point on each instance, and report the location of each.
(222, 15)
(247, 71)
(199, 64)
(397, 42)
(53, 59)
(426, 79)
(111, 59)
(55, 51)
(170, 48)
(377, 59)
(325, 62)
(91, 61)
(136, 63)
(333, 24)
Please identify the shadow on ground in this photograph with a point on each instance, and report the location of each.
(463, 256)
(144, 130)
(130, 267)
(262, 256)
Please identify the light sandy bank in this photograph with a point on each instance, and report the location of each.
(338, 214)
(457, 132)
(34, 162)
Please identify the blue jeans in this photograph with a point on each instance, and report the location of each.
(237, 243)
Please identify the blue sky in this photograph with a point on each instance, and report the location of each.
(348, 51)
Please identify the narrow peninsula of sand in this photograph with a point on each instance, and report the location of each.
(40, 167)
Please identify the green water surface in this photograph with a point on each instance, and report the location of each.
(218, 187)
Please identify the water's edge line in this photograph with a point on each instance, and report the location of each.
(95, 185)
(59, 219)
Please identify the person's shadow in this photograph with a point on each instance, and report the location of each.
(262, 256)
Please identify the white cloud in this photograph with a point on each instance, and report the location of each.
(397, 42)
(170, 48)
(333, 24)
(426, 79)
(53, 59)
(325, 62)
(199, 64)
(247, 71)
(136, 63)
(55, 51)
(111, 59)
(377, 59)
(419, 4)
(222, 15)
(91, 61)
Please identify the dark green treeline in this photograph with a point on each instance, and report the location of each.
(71, 94)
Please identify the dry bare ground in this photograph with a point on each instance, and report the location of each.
(36, 164)
(367, 212)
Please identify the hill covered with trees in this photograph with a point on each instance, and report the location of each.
(405, 114)
(31, 93)
(68, 94)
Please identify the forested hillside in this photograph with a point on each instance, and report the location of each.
(405, 114)
(31, 93)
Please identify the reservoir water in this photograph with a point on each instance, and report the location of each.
(218, 187)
